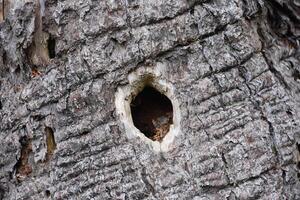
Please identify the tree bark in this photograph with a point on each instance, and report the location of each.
(233, 65)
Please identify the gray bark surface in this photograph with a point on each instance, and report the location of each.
(235, 68)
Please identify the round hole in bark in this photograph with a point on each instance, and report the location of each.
(149, 100)
(152, 113)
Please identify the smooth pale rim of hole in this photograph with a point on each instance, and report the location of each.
(126, 94)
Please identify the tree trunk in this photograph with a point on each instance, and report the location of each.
(71, 73)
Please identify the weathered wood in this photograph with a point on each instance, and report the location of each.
(235, 70)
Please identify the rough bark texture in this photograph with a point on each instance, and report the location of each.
(236, 69)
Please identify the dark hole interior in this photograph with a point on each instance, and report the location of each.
(18, 70)
(152, 113)
(47, 193)
(51, 47)
(296, 75)
(4, 58)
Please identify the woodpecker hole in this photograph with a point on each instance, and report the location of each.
(152, 113)
(148, 109)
